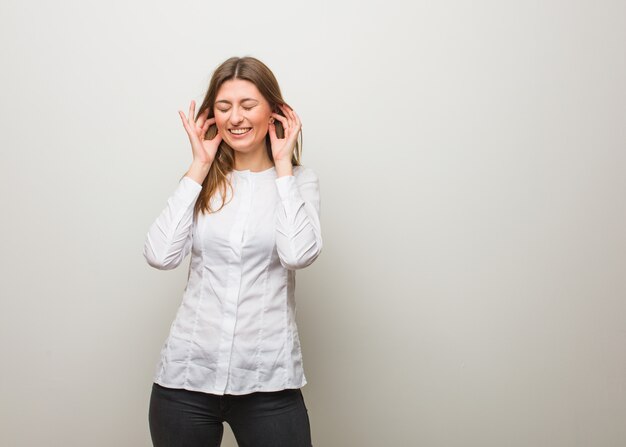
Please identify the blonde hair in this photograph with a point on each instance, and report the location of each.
(249, 69)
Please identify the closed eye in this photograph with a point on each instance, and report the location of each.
(227, 109)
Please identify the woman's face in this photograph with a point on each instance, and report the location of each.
(242, 115)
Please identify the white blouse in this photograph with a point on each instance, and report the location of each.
(235, 331)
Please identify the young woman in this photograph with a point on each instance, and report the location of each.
(249, 214)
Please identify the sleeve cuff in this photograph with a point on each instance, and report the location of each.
(287, 187)
(188, 189)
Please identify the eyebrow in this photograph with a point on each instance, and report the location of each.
(243, 100)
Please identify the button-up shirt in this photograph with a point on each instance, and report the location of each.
(235, 331)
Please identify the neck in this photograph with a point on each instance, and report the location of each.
(255, 161)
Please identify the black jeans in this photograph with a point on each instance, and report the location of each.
(183, 418)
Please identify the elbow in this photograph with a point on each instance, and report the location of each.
(159, 262)
(297, 262)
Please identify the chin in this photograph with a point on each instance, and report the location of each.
(244, 146)
(241, 147)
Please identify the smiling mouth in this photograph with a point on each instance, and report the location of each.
(240, 131)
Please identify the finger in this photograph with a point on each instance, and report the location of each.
(295, 125)
(280, 118)
(192, 111)
(184, 119)
(190, 132)
(292, 119)
(202, 117)
(210, 121)
(284, 122)
(217, 139)
(272, 131)
(297, 119)
(205, 128)
(288, 111)
(287, 114)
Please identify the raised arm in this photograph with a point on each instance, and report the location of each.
(298, 229)
(169, 238)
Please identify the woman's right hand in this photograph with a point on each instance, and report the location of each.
(203, 150)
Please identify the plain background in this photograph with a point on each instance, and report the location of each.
(471, 154)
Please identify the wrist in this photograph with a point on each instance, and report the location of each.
(198, 171)
(201, 164)
(283, 168)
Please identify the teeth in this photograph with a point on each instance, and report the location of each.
(240, 131)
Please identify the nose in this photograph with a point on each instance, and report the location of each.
(236, 116)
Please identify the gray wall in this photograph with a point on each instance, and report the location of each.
(471, 291)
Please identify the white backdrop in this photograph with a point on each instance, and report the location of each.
(471, 290)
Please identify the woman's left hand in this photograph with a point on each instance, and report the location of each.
(282, 148)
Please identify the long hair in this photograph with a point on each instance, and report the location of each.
(249, 69)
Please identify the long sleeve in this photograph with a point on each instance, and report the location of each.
(169, 238)
(298, 229)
